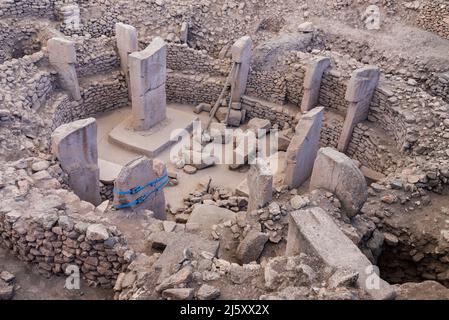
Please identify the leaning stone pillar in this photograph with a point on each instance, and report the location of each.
(359, 93)
(241, 55)
(148, 73)
(75, 145)
(303, 148)
(139, 186)
(126, 37)
(312, 82)
(260, 182)
(62, 56)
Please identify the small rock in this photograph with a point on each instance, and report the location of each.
(178, 294)
(190, 169)
(207, 292)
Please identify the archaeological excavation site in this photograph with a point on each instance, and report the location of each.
(224, 150)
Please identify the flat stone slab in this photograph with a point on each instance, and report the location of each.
(204, 216)
(313, 231)
(152, 142)
(108, 171)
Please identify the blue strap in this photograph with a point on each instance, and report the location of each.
(143, 197)
(140, 188)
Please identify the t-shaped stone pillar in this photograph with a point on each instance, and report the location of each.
(241, 55)
(359, 93)
(126, 37)
(147, 178)
(260, 182)
(312, 82)
(148, 73)
(75, 145)
(303, 148)
(62, 55)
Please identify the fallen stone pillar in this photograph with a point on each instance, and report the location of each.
(75, 145)
(359, 93)
(337, 173)
(303, 148)
(139, 186)
(260, 182)
(241, 55)
(312, 231)
(126, 37)
(62, 56)
(148, 73)
(312, 82)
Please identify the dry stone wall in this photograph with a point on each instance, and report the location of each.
(97, 97)
(17, 39)
(61, 230)
(96, 56)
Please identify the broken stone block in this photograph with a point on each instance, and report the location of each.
(75, 145)
(259, 126)
(207, 292)
(251, 247)
(202, 107)
(178, 294)
(205, 216)
(62, 56)
(313, 232)
(6, 290)
(148, 73)
(337, 173)
(140, 186)
(260, 178)
(303, 148)
(234, 119)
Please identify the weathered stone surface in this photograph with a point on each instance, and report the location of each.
(126, 37)
(312, 231)
(75, 145)
(335, 172)
(178, 294)
(251, 246)
(207, 292)
(312, 82)
(303, 148)
(148, 73)
(205, 216)
(241, 54)
(97, 232)
(62, 56)
(138, 173)
(359, 93)
(260, 182)
(6, 290)
(259, 126)
(427, 290)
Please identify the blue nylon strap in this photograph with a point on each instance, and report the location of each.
(143, 197)
(140, 188)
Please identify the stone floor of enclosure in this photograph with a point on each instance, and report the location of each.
(353, 204)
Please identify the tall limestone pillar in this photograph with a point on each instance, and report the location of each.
(62, 56)
(359, 93)
(312, 82)
(126, 37)
(303, 148)
(148, 73)
(241, 56)
(75, 146)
